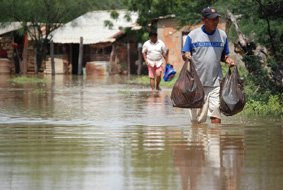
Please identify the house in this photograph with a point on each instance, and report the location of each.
(102, 45)
(19, 48)
(8, 37)
(174, 37)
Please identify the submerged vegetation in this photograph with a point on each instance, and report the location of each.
(262, 102)
(272, 107)
(27, 80)
(144, 80)
(40, 83)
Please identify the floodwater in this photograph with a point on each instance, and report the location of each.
(80, 133)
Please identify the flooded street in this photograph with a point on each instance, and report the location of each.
(79, 133)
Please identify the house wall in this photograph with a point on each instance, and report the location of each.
(7, 41)
(31, 59)
(100, 52)
(118, 59)
(6, 44)
(173, 36)
(60, 66)
(118, 63)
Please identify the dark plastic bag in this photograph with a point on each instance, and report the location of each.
(169, 72)
(188, 92)
(232, 97)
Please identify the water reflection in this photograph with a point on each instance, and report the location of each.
(101, 133)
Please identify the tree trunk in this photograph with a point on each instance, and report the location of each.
(52, 58)
(38, 60)
(40, 54)
(35, 62)
(25, 55)
(243, 45)
(128, 58)
(255, 56)
(139, 61)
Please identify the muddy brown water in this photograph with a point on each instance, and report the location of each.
(100, 133)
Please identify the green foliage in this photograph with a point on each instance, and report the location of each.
(39, 91)
(186, 11)
(272, 107)
(264, 27)
(108, 23)
(140, 80)
(51, 11)
(150, 9)
(114, 14)
(263, 23)
(27, 80)
(144, 80)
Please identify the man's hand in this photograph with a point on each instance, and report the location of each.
(146, 62)
(229, 62)
(187, 56)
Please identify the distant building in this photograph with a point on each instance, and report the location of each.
(20, 52)
(102, 45)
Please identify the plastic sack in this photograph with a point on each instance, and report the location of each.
(188, 92)
(169, 72)
(232, 97)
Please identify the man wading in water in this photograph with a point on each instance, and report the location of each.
(206, 47)
(154, 51)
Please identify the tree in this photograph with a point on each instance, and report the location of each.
(40, 17)
(186, 11)
(262, 54)
(149, 10)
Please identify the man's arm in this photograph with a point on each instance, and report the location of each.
(165, 55)
(226, 52)
(187, 56)
(186, 51)
(145, 57)
(144, 53)
(164, 52)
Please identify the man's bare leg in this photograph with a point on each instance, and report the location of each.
(215, 120)
(158, 79)
(152, 83)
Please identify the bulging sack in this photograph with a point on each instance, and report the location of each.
(187, 91)
(232, 97)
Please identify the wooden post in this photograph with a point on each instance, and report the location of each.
(35, 61)
(25, 56)
(139, 61)
(112, 59)
(52, 58)
(80, 62)
(71, 58)
(128, 58)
